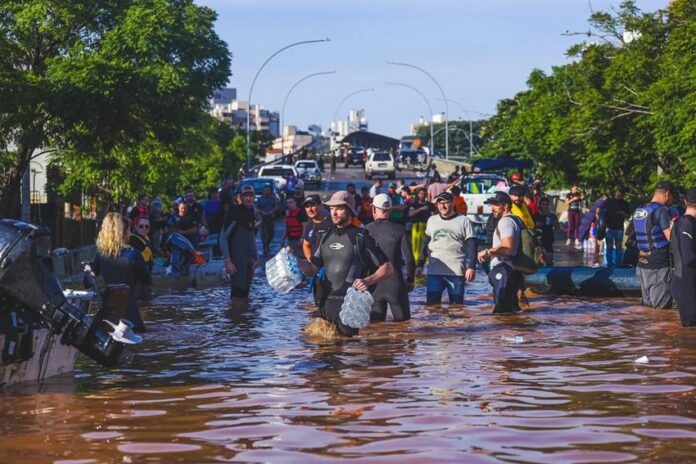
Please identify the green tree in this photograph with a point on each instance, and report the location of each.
(101, 80)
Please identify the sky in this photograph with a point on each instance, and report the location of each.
(479, 51)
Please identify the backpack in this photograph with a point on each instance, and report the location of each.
(530, 255)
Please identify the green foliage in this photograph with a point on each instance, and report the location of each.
(622, 114)
(458, 137)
(102, 80)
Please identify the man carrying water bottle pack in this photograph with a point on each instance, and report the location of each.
(349, 256)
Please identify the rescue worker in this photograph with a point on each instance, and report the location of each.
(651, 224)
(683, 247)
(238, 245)
(393, 241)
(293, 226)
(317, 225)
(450, 242)
(350, 257)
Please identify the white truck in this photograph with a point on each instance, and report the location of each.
(279, 173)
(476, 189)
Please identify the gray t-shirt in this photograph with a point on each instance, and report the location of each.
(447, 248)
(507, 227)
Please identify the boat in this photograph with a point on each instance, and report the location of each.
(585, 281)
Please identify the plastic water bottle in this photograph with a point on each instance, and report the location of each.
(283, 272)
(355, 310)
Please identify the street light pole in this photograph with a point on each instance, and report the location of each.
(444, 97)
(338, 107)
(471, 127)
(251, 89)
(430, 109)
(285, 101)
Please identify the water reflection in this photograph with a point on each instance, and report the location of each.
(216, 382)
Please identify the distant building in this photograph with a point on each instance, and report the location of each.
(356, 122)
(314, 130)
(439, 118)
(235, 113)
(292, 140)
(224, 96)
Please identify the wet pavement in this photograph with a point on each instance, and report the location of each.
(557, 383)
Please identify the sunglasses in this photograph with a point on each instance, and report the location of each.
(143, 226)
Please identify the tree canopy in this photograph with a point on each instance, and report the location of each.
(622, 113)
(103, 83)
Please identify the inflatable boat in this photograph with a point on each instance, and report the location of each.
(585, 281)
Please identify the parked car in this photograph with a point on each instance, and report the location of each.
(355, 156)
(380, 163)
(309, 172)
(280, 172)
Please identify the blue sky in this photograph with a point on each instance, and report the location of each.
(480, 51)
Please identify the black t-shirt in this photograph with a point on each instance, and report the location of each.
(313, 230)
(545, 224)
(617, 211)
(574, 206)
(421, 216)
(196, 210)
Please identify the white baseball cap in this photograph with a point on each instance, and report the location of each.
(382, 201)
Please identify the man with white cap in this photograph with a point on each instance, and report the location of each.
(349, 256)
(451, 247)
(393, 241)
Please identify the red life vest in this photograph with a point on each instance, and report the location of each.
(141, 211)
(292, 225)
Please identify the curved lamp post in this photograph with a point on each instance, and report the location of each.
(427, 102)
(443, 96)
(285, 101)
(251, 89)
(471, 127)
(338, 107)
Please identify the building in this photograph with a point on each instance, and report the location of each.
(292, 140)
(235, 113)
(356, 122)
(224, 96)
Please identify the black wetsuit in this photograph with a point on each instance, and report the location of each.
(338, 254)
(128, 268)
(683, 284)
(392, 239)
(312, 233)
(239, 244)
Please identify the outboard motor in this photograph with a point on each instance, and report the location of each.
(181, 253)
(28, 285)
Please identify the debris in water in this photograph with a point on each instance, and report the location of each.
(321, 329)
(349, 412)
(642, 360)
(515, 339)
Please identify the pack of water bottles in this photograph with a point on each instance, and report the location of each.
(355, 310)
(283, 271)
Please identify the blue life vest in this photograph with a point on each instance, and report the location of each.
(648, 235)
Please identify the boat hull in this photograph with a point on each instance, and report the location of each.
(585, 281)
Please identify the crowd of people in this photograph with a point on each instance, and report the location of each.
(381, 238)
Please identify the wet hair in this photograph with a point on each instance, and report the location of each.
(112, 235)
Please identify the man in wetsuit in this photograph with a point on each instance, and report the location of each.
(450, 241)
(393, 241)
(238, 244)
(683, 246)
(652, 226)
(317, 225)
(350, 257)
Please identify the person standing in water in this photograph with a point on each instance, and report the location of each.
(683, 247)
(119, 263)
(238, 245)
(393, 241)
(350, 258)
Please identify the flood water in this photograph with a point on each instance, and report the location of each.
(215, 383)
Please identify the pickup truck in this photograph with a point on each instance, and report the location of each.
(476, 189)
(279, 173)
(309, 172)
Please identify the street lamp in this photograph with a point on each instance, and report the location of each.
(338, 107)
(285, 101)
(443, 96)
(471, 129)
(251, 89)
(430, 109)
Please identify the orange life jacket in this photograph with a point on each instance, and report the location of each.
(292, 225)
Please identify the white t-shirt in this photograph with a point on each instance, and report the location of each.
(447, 250)
(507, 227)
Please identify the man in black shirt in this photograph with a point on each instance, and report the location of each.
(683, 247)
(615, 210)
(350, 258)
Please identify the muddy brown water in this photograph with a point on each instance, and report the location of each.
(215, 383)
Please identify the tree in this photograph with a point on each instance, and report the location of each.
(99, 77)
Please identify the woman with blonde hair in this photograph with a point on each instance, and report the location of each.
(119, 263)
